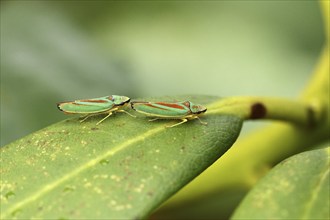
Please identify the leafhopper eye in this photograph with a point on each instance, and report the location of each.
(187, 104)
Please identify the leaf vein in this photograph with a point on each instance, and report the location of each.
(80, 169)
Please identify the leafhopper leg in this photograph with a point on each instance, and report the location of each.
(202, 122)
(85, 117)
(126, 113)
(110, 113)
(183, 121)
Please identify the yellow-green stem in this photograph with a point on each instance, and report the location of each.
(287, 110)
(250, 157)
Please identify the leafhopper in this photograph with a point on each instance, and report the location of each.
(165, 110)
(97, 106)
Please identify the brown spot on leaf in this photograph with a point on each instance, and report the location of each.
(150, 193)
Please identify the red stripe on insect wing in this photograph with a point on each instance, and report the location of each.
(171, 105)
(92, 100)
(75, 103)
(153, 106)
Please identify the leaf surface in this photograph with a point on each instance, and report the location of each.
(122, 169)
(297, 188)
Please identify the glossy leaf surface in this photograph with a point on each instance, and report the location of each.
(297, 188)
(122, 169)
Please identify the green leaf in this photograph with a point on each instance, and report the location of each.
(297, 188)
(123, 168)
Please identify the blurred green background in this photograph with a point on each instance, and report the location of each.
(55, 51)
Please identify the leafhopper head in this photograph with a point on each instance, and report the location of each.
(120, 100)
(197, 109)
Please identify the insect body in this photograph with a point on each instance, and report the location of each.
(164, 110)
(90, 107)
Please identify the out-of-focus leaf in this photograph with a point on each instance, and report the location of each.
(122, 169)
(46, 58)
(297, 188)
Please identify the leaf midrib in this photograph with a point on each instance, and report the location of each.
(81, 168)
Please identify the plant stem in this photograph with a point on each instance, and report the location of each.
(247, 108)
(251, 157)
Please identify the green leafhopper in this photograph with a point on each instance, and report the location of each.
(164, 110)
(96, 106)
